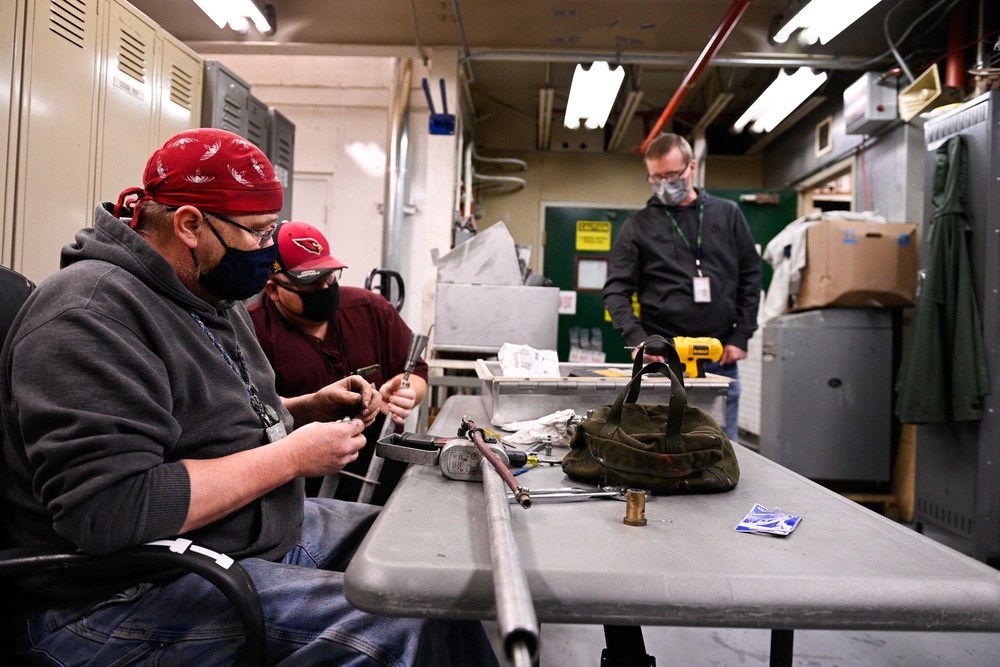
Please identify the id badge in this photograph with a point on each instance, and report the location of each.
(702, 290)
(276, 432)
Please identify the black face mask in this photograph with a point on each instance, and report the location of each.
(319, 306)
(240, 273)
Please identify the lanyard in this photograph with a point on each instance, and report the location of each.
(268, 416)
(697, 249)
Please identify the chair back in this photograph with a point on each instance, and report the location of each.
(14, 291)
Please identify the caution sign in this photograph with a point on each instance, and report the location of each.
(593, 236)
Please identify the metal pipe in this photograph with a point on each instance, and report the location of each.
(675, 60)
(516, 617)
(718, 39)
(398, 148)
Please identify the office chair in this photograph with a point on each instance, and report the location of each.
(222, 571)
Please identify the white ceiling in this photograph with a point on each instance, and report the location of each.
(515, 47)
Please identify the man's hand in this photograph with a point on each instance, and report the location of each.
(731, 353)
(648, 358)
(397, 401)
(349, 397)
(221, 486)
(320, 449)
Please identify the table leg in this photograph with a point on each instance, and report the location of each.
(625, 647)
(781, 647)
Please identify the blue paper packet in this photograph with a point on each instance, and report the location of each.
(768, 522)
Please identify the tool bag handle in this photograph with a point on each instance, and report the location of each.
(675, 410)
(673, 358)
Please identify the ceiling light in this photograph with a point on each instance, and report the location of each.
(236, 13)
(592, 95)
(822, 20)
(781, 98)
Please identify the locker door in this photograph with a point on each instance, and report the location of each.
(178, 83)
(56, 141)
(125, 122)
(11, 34)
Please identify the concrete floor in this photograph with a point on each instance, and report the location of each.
(580, 646)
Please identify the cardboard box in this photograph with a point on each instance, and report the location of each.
(854, 264)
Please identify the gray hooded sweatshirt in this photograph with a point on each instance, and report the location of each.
(107, 383)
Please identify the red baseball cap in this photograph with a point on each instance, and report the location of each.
(303, 253)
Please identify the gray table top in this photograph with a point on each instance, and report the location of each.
(844, 567)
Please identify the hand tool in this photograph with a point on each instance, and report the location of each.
(468, 428)
(417, 344)
(572, 494)
(458, 458)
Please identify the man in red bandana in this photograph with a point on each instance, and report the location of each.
(137, 405)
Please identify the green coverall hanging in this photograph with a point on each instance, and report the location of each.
(943, 375)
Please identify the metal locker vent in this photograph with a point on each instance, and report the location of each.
(824, 143)
(132, 55)
(946, 517)
(957, 122)
(68, 19)
(181, 87)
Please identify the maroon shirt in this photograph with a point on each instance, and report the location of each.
(366, 330)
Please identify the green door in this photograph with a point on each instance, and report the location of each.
(578, 243)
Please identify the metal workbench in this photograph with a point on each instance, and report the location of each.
(844, 567)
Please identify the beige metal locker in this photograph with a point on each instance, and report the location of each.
(56, 139)
(11, 33)
(179, 88)
(125, 120)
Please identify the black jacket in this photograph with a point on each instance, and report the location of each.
(653, 262)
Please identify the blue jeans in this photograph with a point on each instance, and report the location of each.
(731, 427)
(309, 622)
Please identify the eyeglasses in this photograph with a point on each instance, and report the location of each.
(262, 237)
(670, 176)
(321, 283)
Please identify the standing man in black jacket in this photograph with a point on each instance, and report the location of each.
(690, 261)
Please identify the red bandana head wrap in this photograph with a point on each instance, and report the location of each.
(212, 169)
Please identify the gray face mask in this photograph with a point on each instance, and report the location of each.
(671, 193)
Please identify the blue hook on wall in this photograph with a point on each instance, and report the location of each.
(440, 123)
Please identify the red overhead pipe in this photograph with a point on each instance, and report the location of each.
(729, 21)
(955, 64)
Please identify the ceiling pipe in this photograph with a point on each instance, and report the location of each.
(729, 21)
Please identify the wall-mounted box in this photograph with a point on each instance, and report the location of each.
(868, 104)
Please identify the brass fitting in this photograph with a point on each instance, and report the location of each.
(635, 507)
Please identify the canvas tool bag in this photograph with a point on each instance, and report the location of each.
(674, 448)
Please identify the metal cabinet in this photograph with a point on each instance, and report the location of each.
(826, 392)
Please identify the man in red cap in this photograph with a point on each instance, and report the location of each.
(137, 405)
(315, 331)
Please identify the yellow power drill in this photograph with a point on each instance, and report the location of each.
(694, 352)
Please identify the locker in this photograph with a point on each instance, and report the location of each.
(125, 120)
(56, 138)
(280, 150)
(178, 81)
(225, 99)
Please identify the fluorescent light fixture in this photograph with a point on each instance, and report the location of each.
(781, 98)
(235, 13)
(545, 97)
(822, 20)
(592, 95)
(629, 108)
